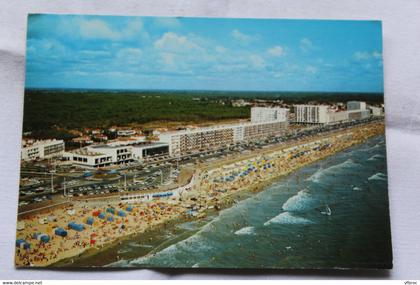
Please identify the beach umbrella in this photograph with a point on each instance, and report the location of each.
(60, 232)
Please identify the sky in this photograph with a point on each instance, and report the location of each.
(115, 52)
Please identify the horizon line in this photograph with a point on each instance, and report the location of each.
(199, 90)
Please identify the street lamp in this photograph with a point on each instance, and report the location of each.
(52, 180)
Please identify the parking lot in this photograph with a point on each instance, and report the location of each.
(150, 174)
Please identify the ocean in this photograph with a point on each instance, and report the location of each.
(330, 214)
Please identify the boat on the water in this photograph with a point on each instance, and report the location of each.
(327, 211)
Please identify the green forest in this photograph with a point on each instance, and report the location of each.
(48, 113)
(73, 110)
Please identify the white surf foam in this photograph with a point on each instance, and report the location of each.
(245, 231)
(378, 176)
(319, 174)
(376, 157)
(289, 219)
(303, 201)
(357, 188)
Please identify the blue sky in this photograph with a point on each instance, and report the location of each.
(107, 52)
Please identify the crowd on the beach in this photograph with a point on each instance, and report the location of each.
(97, 223)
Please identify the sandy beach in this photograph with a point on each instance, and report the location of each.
(216, 186)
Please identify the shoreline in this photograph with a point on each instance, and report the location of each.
(226, 200)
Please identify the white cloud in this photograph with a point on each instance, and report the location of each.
(377, 54)
(99, 29)
(167, 22)
(311, 69)
(365, 55)
(171, 42)
(306, 44)
(257, 61)
(168, 59)
(361, 55)
(276, 51)
(94, 53)
(129, 55)
(244, 38)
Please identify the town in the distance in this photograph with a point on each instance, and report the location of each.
(87, 191)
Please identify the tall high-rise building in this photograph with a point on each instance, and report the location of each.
(311, 114)
(268, 114)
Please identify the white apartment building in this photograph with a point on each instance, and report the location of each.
(356, 105)
(311, 114)
(335, 117)
(357, 110)
(268, 114)
(196, 140)
(376, 111)
(42, 149)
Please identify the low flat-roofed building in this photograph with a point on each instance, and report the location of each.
(143, 151)
(119, 153)
(336, 117)
(126, 133)
(87, 158)
(358, 114)
(42, 149)
(376, 111)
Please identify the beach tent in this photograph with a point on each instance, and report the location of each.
(121, 213)
(76, 227)
(89, 221)
(110, 219)
(20, 225)
(101, 216)
(41, 237)
(60, 232)
(22, 244)
(96, 213)
(129, 209)
(110, 210)
(71, 212)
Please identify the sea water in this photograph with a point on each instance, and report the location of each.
(287, 224)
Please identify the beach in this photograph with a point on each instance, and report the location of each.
(217, 185)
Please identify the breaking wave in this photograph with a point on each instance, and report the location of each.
(318, 175)
(303, 201)
(376, 157)
(245, 231)
(289, 219)
(378, 176)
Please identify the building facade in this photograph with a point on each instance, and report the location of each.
(356, 105)
(268, 114)
(43, 149)
(95, 156)
(336, 117)
(376, 111)
(311, 114)
(186, 142)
